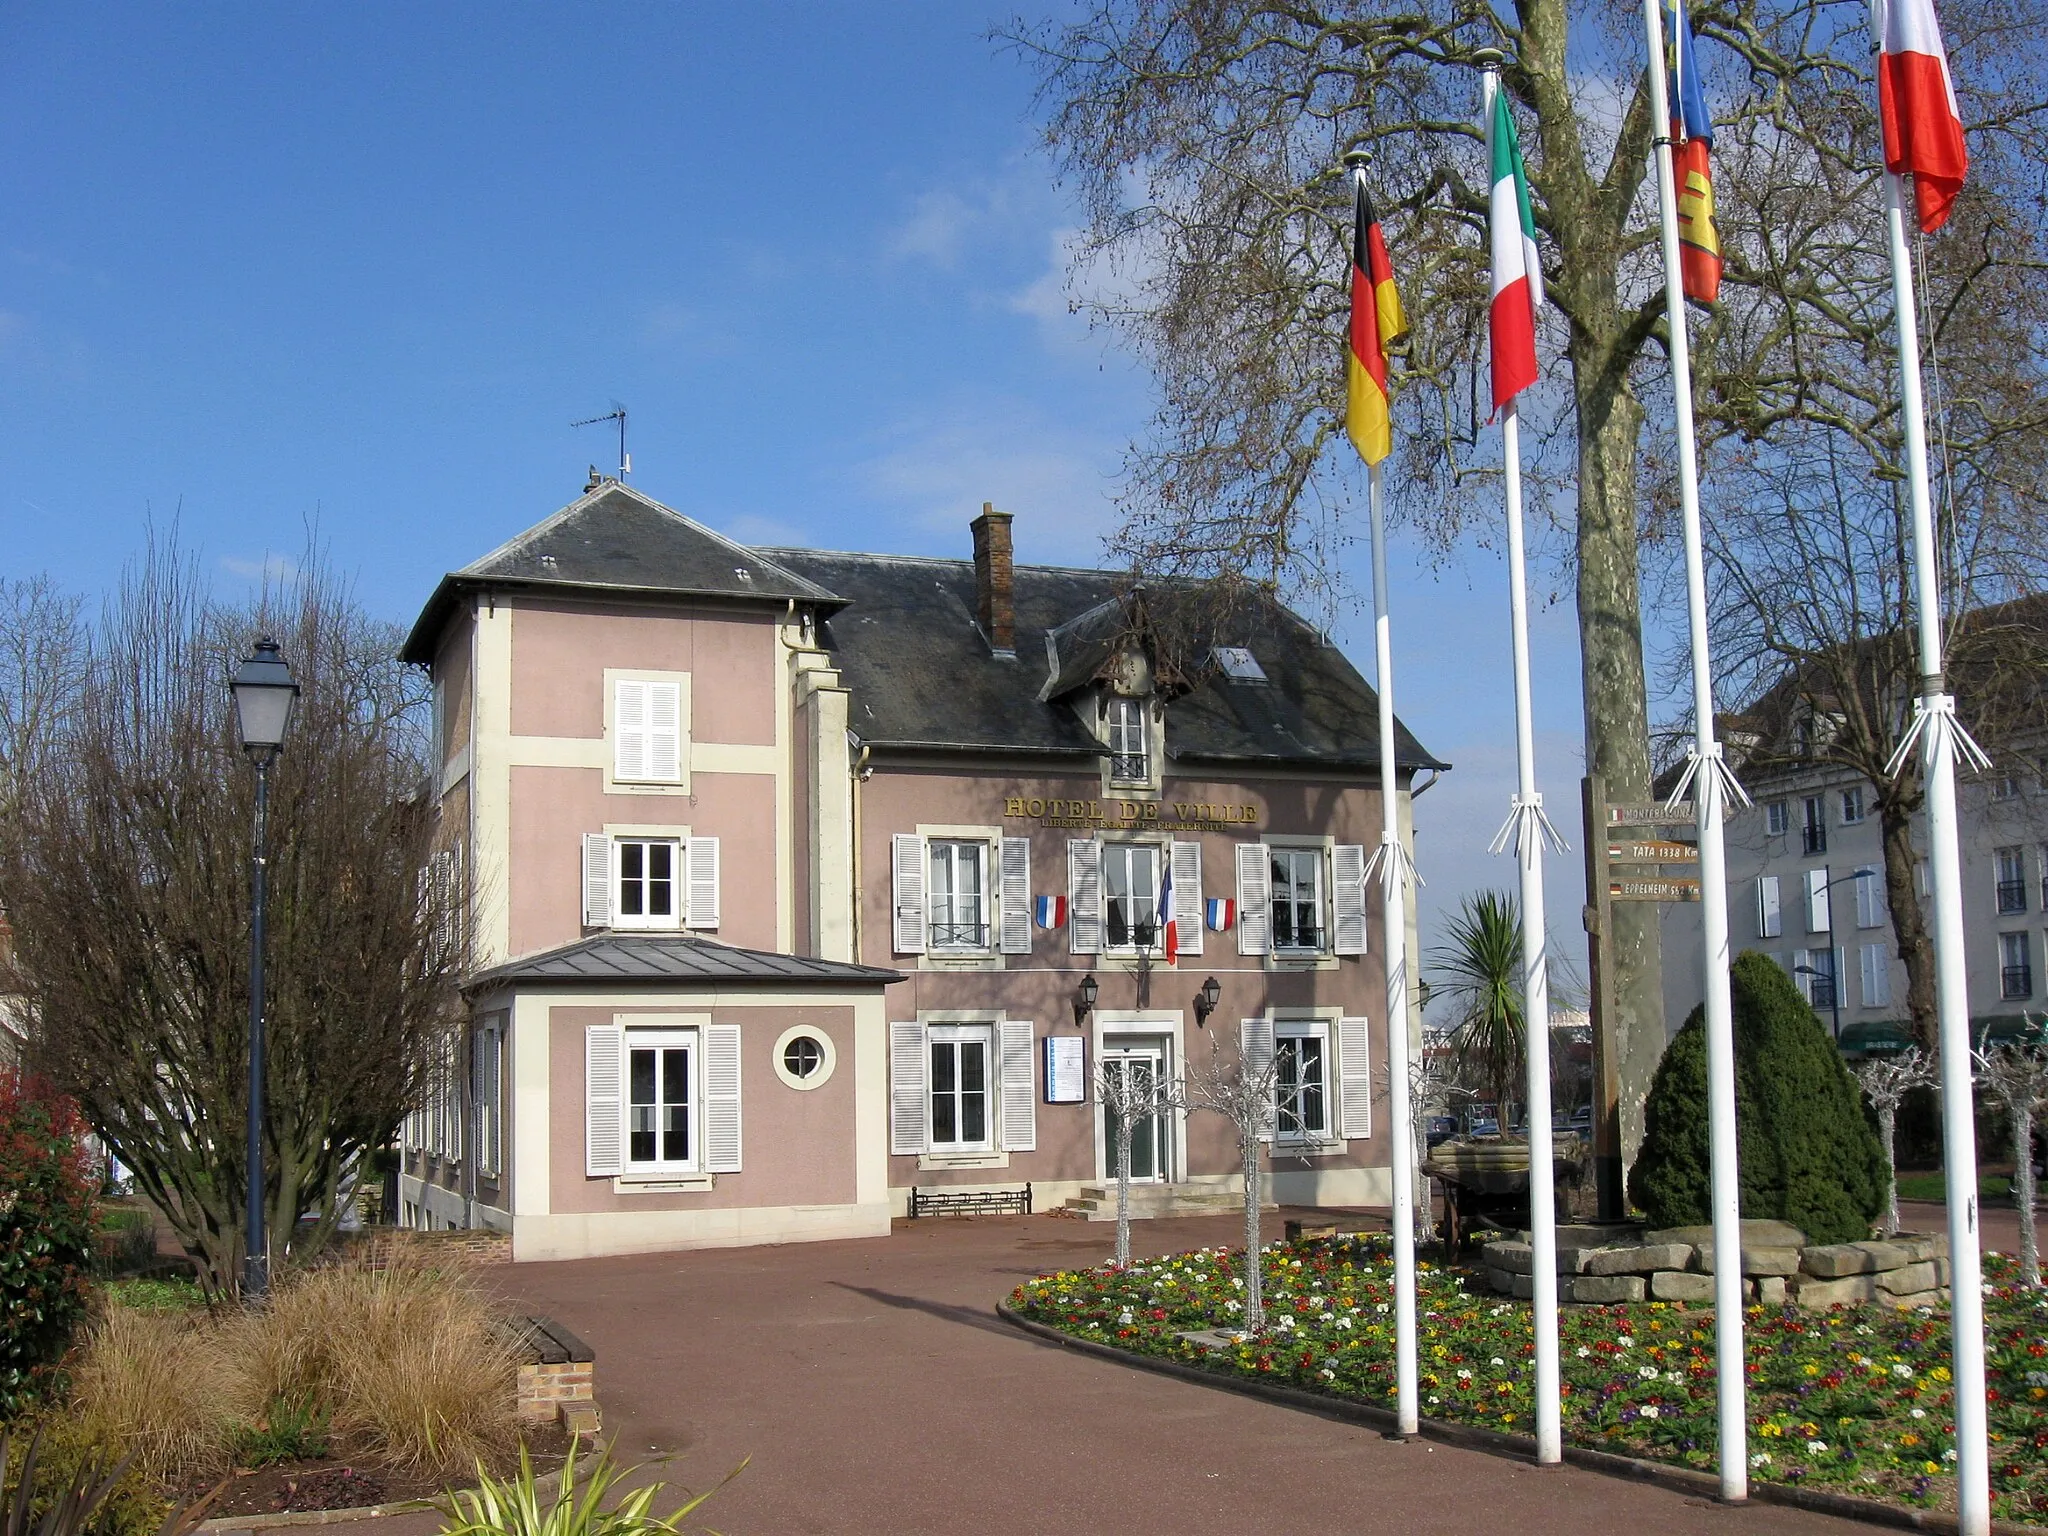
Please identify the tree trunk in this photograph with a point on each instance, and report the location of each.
(2023, 1187)
(1615, 699)
(1909, 918)
(1887, 1124)
(1254, 1302)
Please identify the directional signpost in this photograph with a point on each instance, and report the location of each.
(1632, 854)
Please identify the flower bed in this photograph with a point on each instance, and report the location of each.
(1855, 1398)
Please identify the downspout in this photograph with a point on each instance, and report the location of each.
(861, 770)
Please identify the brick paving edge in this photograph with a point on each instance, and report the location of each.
(1495, 1442)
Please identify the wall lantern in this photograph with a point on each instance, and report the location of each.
(1206, 1001)
(1084, 999)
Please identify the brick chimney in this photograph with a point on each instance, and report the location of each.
(995, 604)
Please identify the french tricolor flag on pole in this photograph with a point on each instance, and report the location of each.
(1222, 914)
(1916, 99)
(1168, 928)
(1052, 912)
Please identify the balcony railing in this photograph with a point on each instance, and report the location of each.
(1289, 936)
(1813, 837)
(2012, 896)
(1128, 768)
(959, 935)
(2016, 981)
(1823, 990)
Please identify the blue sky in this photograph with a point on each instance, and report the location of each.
(262, 266)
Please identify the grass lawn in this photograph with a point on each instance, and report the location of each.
(1991, 1187)
(1854, 1398)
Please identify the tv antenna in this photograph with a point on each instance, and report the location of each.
(616, 413)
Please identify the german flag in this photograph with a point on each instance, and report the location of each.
(1375, 323)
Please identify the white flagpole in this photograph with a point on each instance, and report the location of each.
(1941, 739)
(1529, 826)
(1707, 776)
(1394, 932)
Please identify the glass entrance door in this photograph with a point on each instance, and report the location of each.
(1142, 1067)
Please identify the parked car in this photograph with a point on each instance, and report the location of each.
(1441, 1128)
(1484, 1123)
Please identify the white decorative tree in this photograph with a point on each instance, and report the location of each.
(1886, 1082)
(2016, 1075)
(1242, 1092)
(1130, 1093)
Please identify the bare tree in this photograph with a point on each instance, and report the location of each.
(2016, 1076)
(42, 667)
(1130, 1093)
(1242, 1091)
(1207, 141)
(1886, 1080)
(126, 873)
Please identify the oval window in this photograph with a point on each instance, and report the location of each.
(803, 1056)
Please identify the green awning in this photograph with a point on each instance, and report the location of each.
(1876, 1037)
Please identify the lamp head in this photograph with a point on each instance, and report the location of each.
(1206, 1000)
(1084, 998)
(264, 695)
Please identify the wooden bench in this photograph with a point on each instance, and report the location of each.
(970, 1202)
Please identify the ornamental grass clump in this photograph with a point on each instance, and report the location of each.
(158, 1387)
(1806, 1152)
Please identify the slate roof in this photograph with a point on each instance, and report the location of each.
(676, 959)
(613, 539)
(923, 677)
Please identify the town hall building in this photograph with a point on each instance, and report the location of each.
(794, 882)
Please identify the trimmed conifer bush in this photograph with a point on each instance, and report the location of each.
(1807, 1153)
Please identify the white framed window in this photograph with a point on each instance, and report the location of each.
(961, 1117)
(1130, 897)
(644, 888)
(1818, 978)
(661, 1100)
(1852, 805)
(1297, 894)
(2011, 890)
(486, 1073)
(956, 894)
(1777, 818)
(1130, 757)
(2015, 966)
(1813, 825)
(2005, 786)
(1301, 1079)
(647, 729)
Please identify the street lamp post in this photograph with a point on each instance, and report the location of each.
(264, 694)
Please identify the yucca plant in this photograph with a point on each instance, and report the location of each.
(516, 1505)
(1480, 963)
(74, 1505)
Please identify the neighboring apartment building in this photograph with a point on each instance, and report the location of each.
(780, 869)
(1806, 885)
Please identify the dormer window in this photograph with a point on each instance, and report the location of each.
(1129, 760)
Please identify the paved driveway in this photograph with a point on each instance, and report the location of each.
(875, 1391)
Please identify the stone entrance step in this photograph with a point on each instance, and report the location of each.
(1097, 1202)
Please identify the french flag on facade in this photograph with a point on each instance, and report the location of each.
(1222, 914)
(1916, 99)
(1052, 912)
(1167, 926)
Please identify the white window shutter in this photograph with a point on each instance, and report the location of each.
(665, 732)
(1254, 900)
(1015, 895)
(629, 730)
(700, 859)
(1187, 896)
(907, 1124)
(1019, 1109)
(597, 880)
(451, 1078)
(722, 1098)
(1877, 976)
(1354, 1076)
(1347, 898)
(1869, 896)
(1255, 1045)
(907, 892)
(1770, 919)
(1084, 896)
(1816, 901)
(604, 1109)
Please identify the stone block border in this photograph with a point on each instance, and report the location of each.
(1598, 1266)
(1495, 1442)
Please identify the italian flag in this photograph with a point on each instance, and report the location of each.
(1517, 274)
(1916, 99)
